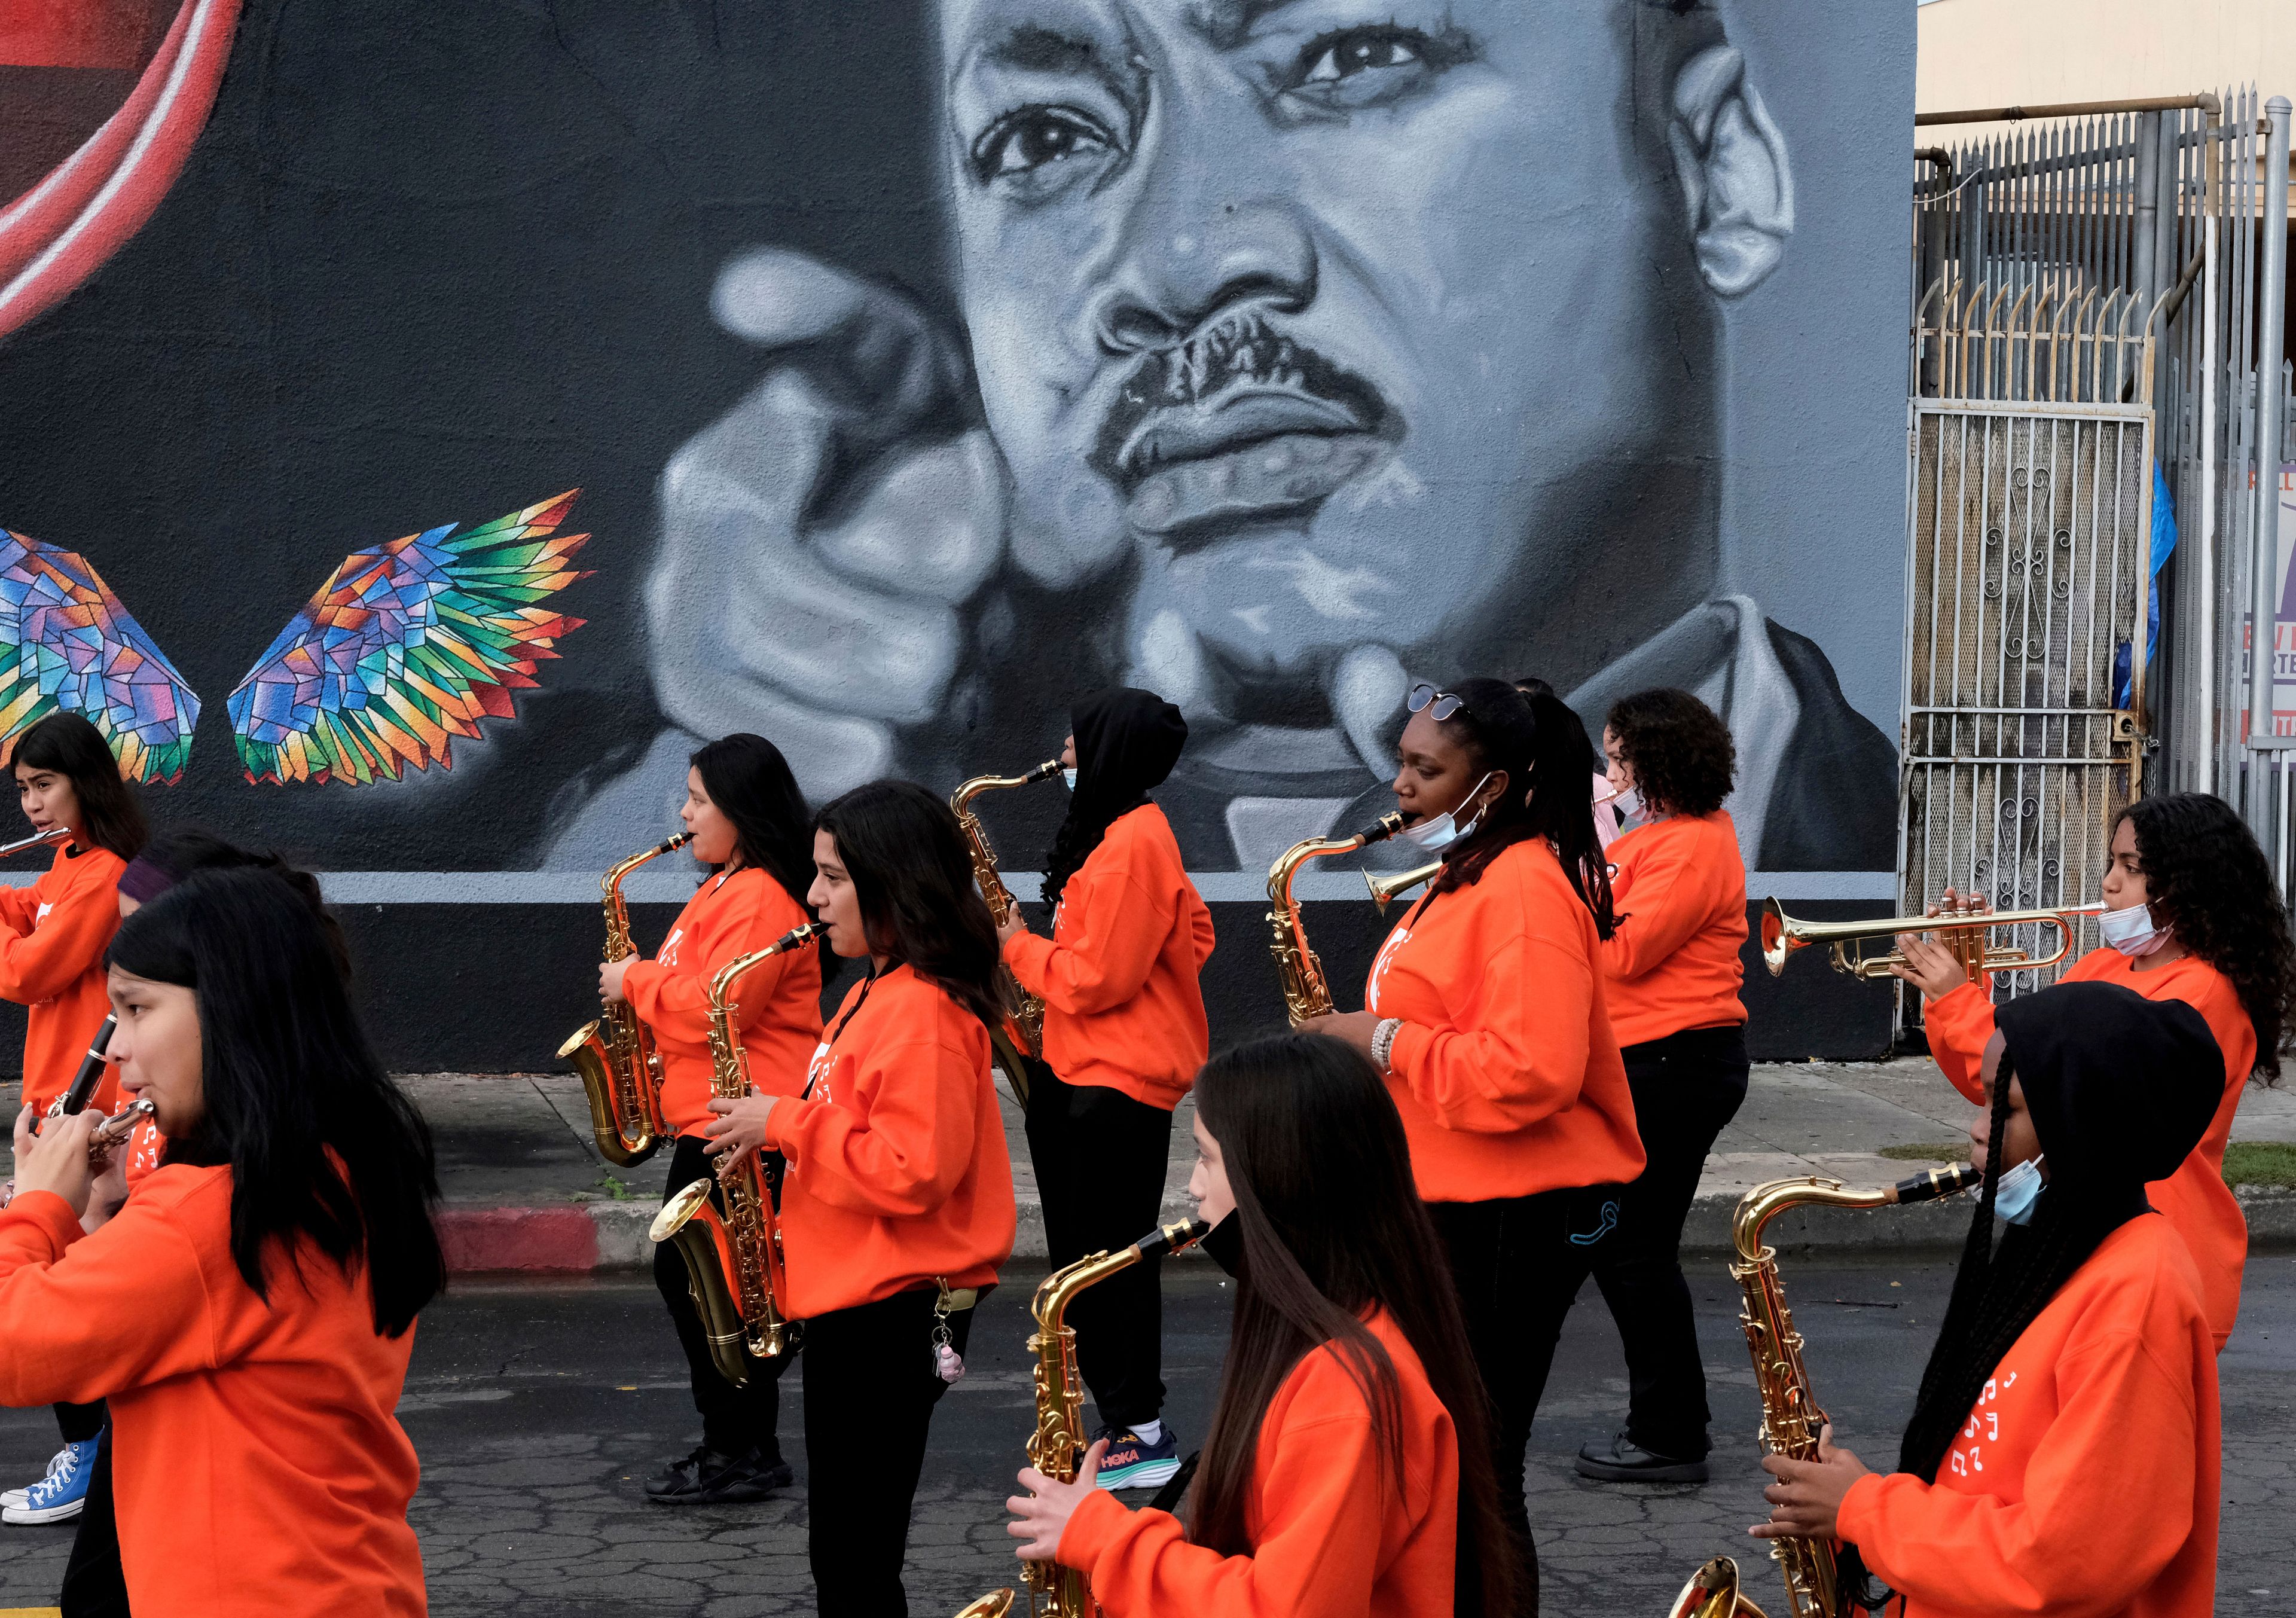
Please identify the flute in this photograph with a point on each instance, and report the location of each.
(114, 1129)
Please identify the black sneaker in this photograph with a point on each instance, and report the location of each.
(711, 1477)
(1624, 1461)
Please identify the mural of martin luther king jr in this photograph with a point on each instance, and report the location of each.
(1316, 347)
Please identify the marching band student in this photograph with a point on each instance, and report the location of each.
(93, 1584)
(1124, 1035)
(1672, 977)
(249, 1312)
(749, 828)
(897, 1206)
(2192, 914)
(1347, 1470)
(2062, 1453)
(52, 940)
(1515, 1102)
(1605, 794)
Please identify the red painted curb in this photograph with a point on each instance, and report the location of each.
(562, 1240)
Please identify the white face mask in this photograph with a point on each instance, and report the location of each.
(1439, 832)
(1068, 778)
(2019, 1190)
(2131, 931)
(1632, 810)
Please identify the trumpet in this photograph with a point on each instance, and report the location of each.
(621, 1071)
(1306, 994)
(1783, 934)
(1020, 1038)
(1384, 889)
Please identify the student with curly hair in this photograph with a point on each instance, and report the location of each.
(2193, 915)
(1672, 971)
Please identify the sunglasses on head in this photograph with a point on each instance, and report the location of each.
(1437, 705)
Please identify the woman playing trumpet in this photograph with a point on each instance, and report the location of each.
(748, 822)
(2193, 915)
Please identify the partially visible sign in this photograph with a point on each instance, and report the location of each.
(2283, 645)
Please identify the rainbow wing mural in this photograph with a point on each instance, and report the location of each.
(66, 644)
(406, 647)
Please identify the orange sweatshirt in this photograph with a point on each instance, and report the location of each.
(2084, 1481)
(2199, 1205)
(898, 1169)
(257, 1467)
(777, 1003)
(1118, 977)
(52, 936)
(1504, 1070)
(1333, 1535)
(1679, 888)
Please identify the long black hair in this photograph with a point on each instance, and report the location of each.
(1127, 742)
(110, 816)
(321, 1145)
(2205, 877)
(1332, 1225)
(1543, 748)
(175, 853)
(2120, 1089)
(913, 878)
(1681, 752)
(750, 783)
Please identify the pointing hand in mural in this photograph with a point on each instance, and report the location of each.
(819, 539)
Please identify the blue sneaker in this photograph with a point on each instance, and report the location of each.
(1132, 1462)
(16, 1497)
(58, 1496)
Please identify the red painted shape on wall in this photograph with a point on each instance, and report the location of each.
(56, 234)
(80, 33)
(549, 1239)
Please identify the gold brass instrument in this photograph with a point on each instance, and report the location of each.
(1792, 1418)
(1306, 993)
(621, 1072)
(996, 1604)
(1022, 1038)
(1385, 888)
(1056, 1447)
(1783, 934)
(733, 1260)
(1712, 1592)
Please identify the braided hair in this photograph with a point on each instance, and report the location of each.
(1544, 750)
(2205, 877)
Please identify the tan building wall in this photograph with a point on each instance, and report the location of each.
(2006, 53)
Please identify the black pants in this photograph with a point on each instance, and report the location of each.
(1518, 1263)
(734, 1420)
(1687, 1086)
(1100, 1159)
(94, 1585)
(81, 1423)
(870, 1388)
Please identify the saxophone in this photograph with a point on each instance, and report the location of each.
(733, 1260)
(1057, 1446)
(1020, 1039)
(621, 1074)
(1791, 1416)
(1306, 994)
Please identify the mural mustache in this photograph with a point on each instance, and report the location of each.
(1238, 424)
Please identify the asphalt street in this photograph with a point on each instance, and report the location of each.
(537, 1410)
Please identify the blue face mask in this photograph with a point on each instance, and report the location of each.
(1068, 778)
(2019, 1192)
(1439, 832)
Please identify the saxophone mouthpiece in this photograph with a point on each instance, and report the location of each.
(1937, 1183)
(1043, 772)
(1171, 1239)
(804, 934)
(1386, 827)
(677, 841)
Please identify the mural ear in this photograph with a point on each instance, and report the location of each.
(1737, 185)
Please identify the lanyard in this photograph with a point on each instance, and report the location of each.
(829, 1040)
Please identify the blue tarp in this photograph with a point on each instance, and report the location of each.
(2164, 545)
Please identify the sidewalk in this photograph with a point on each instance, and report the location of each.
(526, 1190)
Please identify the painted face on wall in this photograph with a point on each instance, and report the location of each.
(1337, 313)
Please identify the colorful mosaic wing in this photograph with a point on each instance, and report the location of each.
(66, 644)
(405, 648)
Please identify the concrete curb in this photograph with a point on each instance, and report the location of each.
(611, 1237)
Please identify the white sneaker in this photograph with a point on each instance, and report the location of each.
(17, 1497)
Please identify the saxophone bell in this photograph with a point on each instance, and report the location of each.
(620, 1072)
(1712, 1592)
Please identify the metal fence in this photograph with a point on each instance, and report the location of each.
(2093, 293)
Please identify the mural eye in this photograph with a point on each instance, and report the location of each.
(1361, 66)
(1026, 145)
